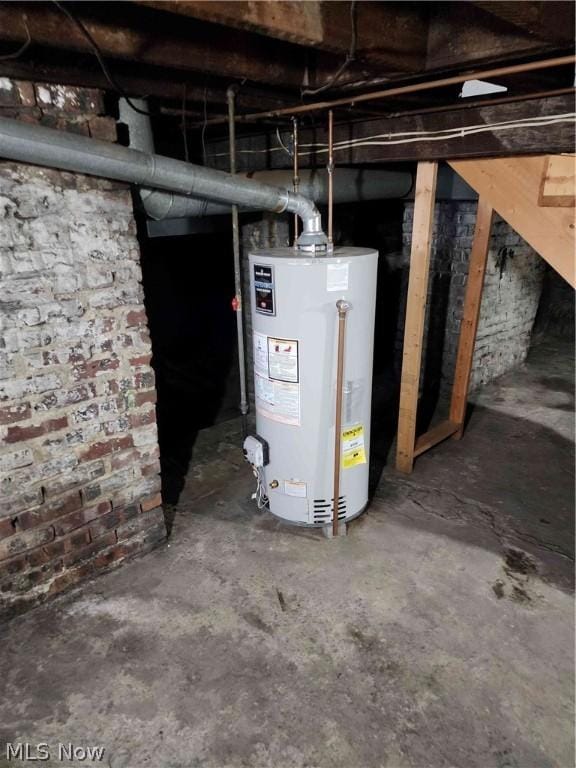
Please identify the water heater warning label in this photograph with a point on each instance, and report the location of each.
(337, 277)
(295, 488)
(264, 289)
(283, 359)
(353, 451)
(277, 400)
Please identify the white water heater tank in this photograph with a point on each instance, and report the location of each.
(295, 337)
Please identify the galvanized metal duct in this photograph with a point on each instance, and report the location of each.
(350, 185)
(69, 152)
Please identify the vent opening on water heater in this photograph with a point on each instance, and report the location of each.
(323, 509)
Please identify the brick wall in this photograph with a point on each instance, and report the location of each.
(556, 311)
(79, 464)
(512, 289)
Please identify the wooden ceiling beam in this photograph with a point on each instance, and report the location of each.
(148, 37)
(473, 32)
(190, 40)
(393, 34)
(549, 20)
(137, 81)
(527, 139)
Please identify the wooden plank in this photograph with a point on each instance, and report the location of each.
(550, 139)
(462, 31)
(323, 25)
(291, 20)
(436, 435)
(552, 21)
(417, 37)
(64, 69)
(143, 35)
(559, 182)
(470, 315)
(415, 312)
(512, 186)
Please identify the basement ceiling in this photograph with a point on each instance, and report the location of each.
(189, 52)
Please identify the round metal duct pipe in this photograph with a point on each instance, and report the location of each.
(69, 152)
(351, 185)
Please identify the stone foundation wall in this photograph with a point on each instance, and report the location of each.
(79, 461)
(512, 289)
(556, 311)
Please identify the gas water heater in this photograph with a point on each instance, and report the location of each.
(295, 299)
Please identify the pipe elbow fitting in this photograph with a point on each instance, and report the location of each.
(312, 237)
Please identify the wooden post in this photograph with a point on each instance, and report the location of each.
(470, 315)
(415, 312)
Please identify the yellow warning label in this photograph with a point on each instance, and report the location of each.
(353, 451)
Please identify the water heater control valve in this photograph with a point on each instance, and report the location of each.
(256, 451)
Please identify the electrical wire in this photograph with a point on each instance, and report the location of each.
(284, 147)
(527, 121)
(375, 142)
(410, 137)
(204, 125)
(183, 125)
(259, 494)
(350, 57)
(98, 53)
(23, 47)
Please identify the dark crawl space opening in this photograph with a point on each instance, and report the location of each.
(188, 285)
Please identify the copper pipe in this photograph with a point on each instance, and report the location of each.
(296, 179)
(379, 113)
(330, 169)
(478, 103)
(482, 74)
(342, 307)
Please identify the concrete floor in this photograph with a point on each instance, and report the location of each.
(438, 633)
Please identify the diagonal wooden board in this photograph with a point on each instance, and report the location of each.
(511, 185)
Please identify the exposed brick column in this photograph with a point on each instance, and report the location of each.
(79, 459)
